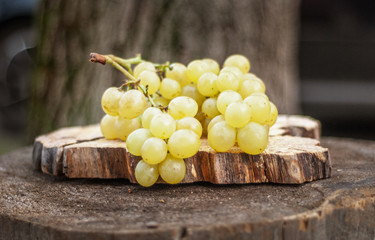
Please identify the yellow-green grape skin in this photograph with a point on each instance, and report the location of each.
(148, 114)
(253, 138)
(209, 108)
(225, 98)
(206, 84)
(110, 101)
(237, 114)
(221, 137)
(227, 81)
(205, 124)
(183, 143)
(182, 106)
(107, 126)
(143, 66)
(124, 127)
(151, 80)
(172, 170)
(191, 90)
(239, 61)
(162, 125)
(249, 87)
(170, 88)
(135, 140)
(253, 76)
(218, 118)
(178, 73)
(213, 66)
(273, 115)
(190, 123)
(263, 95)
(236, 71)
(260, 108)
(132, 104)
(146, 174)
(195, 69)
(154, 150)
(160, 100)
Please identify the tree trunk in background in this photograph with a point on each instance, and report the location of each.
(67, 89)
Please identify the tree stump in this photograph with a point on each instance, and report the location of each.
(81, 152)
(34, 205)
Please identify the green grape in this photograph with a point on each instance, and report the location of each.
(110, 101)
(253, 138)
(225, 98)
(195, 69)
(170, 88)
(148, 114)
(107, 126)
(151, 80)
(160, 100)
(239, 61)
(236, 71)
(260, 108)
(146, 174)
(124, 127)
(206, 84)
(182, 106)
(253, 76)
(183, 143)
(143, 66)
(135, 140)
(154, 150)
(221, 136)
(213, 66)
(237, 114)
(190, 123)
(227, 81)
(209, 108)
(191, 90)
(205, 124)
(261, 95)
(132, 104)
(178, 73)
(162, 125)
(172, 170)
(249, 87)
(273, 115)
(218, 118)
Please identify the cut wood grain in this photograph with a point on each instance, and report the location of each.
(81, 153)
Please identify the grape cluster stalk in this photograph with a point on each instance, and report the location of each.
(162, 111)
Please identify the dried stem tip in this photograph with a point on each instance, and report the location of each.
(96, 57)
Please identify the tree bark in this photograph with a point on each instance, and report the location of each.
(67, 88)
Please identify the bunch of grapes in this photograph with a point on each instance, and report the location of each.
(160, 110)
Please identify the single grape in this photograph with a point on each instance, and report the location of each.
(110, 101)
(209, 108)
(160, 100)
(151, 80)
(225, 98)
(206, 84)
(273, 115)
(218, 118)
(107, 126)
(236, 71)
(227, 81)
(253, 76)
(148, 114)
(191, 91)
(195, 69)
(135, 140)
(249, 87)
(143, 66)
(172, 170)
(162, 125)
(237, 114)
(170, 88)
(132, 104)
(260, 108)
(183, 143)
(213, 66)
(146, 174)
(182, 106)
(253, 138)
(239, 61)
(124, 127)
(190, 123)
(221, 136)
(178, 73)
(154, 150)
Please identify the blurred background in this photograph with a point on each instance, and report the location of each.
(316, 57)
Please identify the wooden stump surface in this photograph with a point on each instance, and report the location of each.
(34, 205)
(293, 156)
